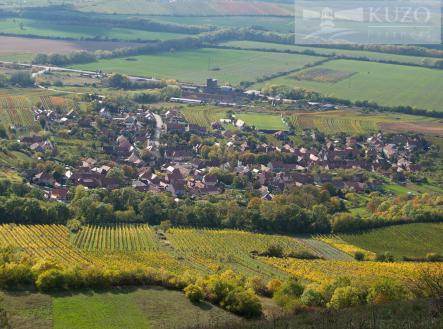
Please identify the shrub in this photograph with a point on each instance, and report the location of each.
(242, 302)
(258, 286)
(12, 274)
(434, 257)
(345, 297)
(386, 257)
(312, 297)
(386, 291)
(327, 290)
(273, 285)
(194, 293)
(52, 279)
(358, 255)
(274, 250)
(288, 291)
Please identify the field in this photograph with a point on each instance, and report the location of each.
(262, 121)
(321, 271)
(203, 116)
(325, 51)
(355, 122)
(14, 26)
(203, 251)
(218, 249)
(13, 158)
(190, 8)
(413, 240)
(274, 23)
(386, 84)
(195, 66)
(116, 308)
(117, 238)
(16, 111)
(25, 46)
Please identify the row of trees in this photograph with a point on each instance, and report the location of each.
(300, 210)
(299, 93)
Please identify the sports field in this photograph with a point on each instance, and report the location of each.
(386, 84)
(262, 121)
(228, 66)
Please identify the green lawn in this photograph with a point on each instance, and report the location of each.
(228, 66)
(385, 84)
(262, 121)
(19, 26)
(401, 240)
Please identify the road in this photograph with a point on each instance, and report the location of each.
(158, 129)
(46, 68)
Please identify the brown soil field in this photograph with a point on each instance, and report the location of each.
(430, 128)
(15, 45)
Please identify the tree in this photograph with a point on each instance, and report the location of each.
(21, 79)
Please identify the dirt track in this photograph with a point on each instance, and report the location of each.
(14, 45)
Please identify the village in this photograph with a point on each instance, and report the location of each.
(154, 150)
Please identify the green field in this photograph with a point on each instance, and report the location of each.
(386, 84)
(262, 121)
(402, 240)
(328, 51)
(19, 27)
(273, 23)
(228, 66)
(116, 308)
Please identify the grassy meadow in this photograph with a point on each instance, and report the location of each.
(116, 308)
(386, 84)
(195, 66)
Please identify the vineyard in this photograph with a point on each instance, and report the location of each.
(201, 251)
(203, 116)
(217, 249)
(340, 244)
(16, 111)
(333, 122)
(412, 240)
(359, 272)
(49, 242)
(117, 238)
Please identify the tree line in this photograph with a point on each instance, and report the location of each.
(307, 209)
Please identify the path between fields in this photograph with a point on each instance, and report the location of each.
(326, 250)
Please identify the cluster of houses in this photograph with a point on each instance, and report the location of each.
(181, 171)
